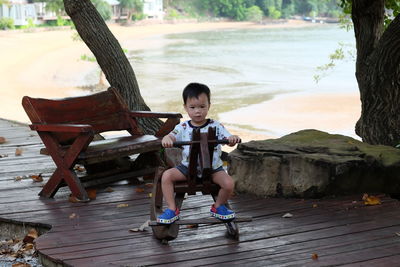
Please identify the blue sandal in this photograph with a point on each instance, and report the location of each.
(169, 216)
(222, 213)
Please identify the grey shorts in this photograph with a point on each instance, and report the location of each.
(185, 170)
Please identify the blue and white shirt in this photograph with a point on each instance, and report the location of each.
(183, 132)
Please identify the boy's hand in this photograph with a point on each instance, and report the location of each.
(168, 141)
(234, 139)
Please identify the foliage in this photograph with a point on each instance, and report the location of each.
(393, 6)
(133, 7)
(345, 51)
(234, 9)
(138, 16)
(61, 21)
(30, 25)
(6, 23)
(56, 6)
(254, 14)
(103, 8)
(172, 14)
(136, 5)
(237, 9)
(274, 13)
(190, 8)
(85, 57)
(76, 37)
(287, 8)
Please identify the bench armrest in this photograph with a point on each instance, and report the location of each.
(150, 114)
(65, 128)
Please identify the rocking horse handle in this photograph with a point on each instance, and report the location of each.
(187, 143)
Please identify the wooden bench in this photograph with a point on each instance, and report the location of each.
(68, 126)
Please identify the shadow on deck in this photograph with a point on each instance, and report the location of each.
(341, 231)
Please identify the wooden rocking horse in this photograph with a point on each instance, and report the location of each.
(201, 152)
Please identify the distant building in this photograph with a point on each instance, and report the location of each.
(153, 9)
(21, 11)
(44, 14)
(115, 9)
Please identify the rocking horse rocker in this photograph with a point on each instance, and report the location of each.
(201, 152)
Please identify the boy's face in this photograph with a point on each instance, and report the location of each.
(197, 109)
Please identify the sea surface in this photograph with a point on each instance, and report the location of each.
(244, 67)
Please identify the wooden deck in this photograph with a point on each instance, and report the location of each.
(341, 231)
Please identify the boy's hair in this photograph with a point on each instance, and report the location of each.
(194, 90)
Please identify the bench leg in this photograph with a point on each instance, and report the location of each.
(65, 163)
(54, 183)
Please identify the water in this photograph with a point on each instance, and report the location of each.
(242, 67)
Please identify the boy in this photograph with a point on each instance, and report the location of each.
(196, 98)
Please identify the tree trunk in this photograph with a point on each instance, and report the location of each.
(377, 73)
(110, 56)
(128, 17)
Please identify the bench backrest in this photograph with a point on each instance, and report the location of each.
(104, 111)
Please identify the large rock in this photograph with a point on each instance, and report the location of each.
(312, 163)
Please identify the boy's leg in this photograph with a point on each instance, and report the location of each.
(227, 186)
(168, 179)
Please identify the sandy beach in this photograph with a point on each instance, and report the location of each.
(46, 63)
(332, 113)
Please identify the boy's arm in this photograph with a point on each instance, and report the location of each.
(225, 134)
(234, 139)
(168, 140)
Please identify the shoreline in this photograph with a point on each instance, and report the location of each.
(337, 113)
(46, 63)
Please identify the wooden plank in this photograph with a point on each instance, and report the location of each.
(388, 261)
(199, 212)
(277, 256)
(207, 243)
(213, 252)
(364, 253)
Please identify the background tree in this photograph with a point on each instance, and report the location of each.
(254, 13)
(110, 56)
(234, 9)
(377, 68)
(131, 6)
(287, 8)
(56, 6)
(103, 8)
(305, 7)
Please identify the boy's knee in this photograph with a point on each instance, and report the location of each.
(166, 177)
(171, 176)
(230, 184)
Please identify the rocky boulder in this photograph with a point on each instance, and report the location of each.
(312, 163)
